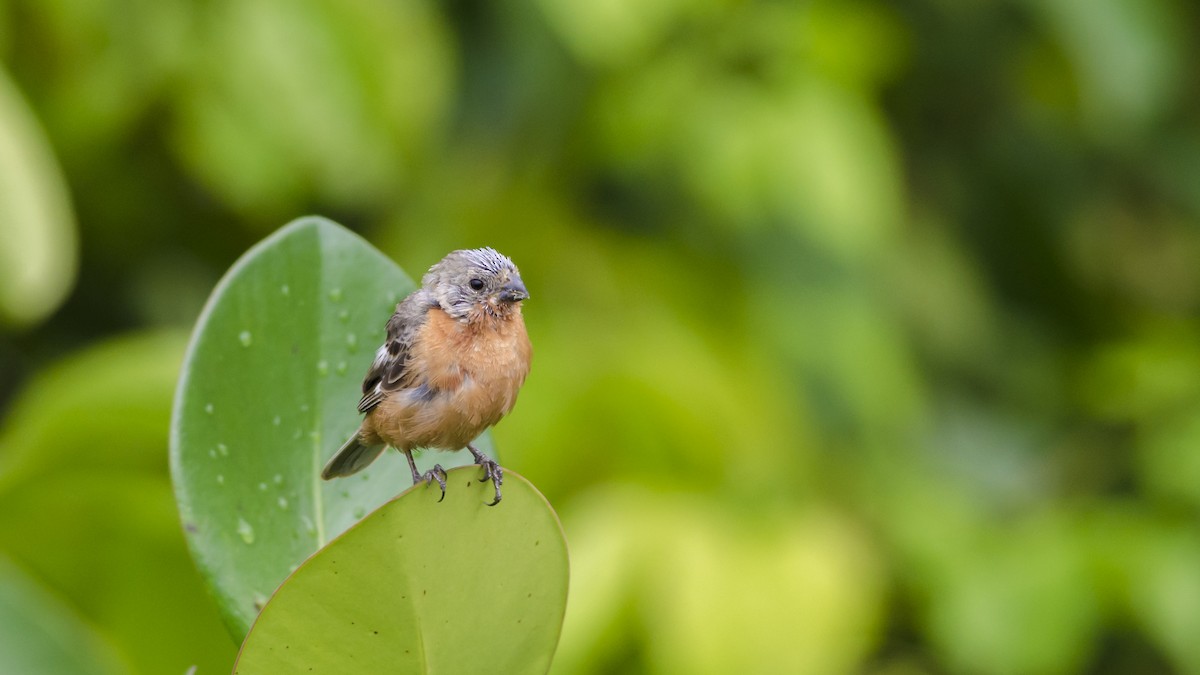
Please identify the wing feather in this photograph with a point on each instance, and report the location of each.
(389, 370)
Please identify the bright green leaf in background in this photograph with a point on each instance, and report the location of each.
(1126, 57)
(129, 376)
(37, 227)
(124, 55)
(86, 506)
(700, 590)
(335, 97)
(40, 636)
(267, 394)
(769, 136)
(424, 586)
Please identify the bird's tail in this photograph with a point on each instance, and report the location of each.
(351, 458)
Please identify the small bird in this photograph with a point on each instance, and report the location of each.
(455, 356)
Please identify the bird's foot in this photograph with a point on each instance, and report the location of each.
(491, 471)
(437, 473)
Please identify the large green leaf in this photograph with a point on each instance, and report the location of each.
(425, 586)
(267, 394)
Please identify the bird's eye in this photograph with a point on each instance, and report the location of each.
(476, 284)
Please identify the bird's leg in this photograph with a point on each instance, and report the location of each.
(491, 471)
(436, 473)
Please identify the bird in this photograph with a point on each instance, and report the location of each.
(455, 356)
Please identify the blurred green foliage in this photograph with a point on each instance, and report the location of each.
(865, 331)
(86, 506)
(37, 259)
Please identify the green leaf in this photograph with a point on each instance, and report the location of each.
(386, 70)
(267, 394)
(86, 507)
(691, 588)
(117, 395)
(37, 227)
(40, 635)
(423, 586)
(110, 542)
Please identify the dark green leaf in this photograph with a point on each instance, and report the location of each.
(267, 394)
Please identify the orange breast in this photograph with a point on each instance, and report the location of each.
(470, 372)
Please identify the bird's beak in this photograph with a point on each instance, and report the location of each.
(513, 291)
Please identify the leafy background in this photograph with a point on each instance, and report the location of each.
(865, 332)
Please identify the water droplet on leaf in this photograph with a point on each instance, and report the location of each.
(245, 531)
(245, 338)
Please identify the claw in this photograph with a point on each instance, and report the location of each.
(491, 471)
(436, 473)
(439, 474)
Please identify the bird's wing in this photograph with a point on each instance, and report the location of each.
(389, 369)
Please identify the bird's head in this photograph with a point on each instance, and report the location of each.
(476, 282)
